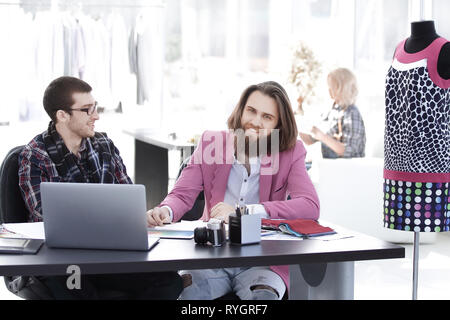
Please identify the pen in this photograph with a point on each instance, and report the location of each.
(238, 211)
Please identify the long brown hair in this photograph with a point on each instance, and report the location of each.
(286, 123)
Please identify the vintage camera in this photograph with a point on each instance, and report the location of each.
(214, 233)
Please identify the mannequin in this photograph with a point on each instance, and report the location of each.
(416, 163)
(423, 33)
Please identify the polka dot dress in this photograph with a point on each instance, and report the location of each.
(417, 143)
(416, 206)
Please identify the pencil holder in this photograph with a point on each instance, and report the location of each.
(244, 229)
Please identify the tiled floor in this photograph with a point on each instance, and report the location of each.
(390, 279)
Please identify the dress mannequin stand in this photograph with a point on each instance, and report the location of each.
(422, 212)
(415, 264)
(423, 33)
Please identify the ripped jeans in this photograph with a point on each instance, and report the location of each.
(246, 283)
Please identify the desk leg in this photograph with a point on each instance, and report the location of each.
(322, 281)
(152, 170)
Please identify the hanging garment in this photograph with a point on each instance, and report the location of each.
(150, 57)
(122, 82)
(97, 57)
(17, 65)
(417, 142)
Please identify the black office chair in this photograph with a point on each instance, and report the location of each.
(12, 206)
(13, 210)
(197, 210)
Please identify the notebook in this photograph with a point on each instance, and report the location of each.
(298, 227)
(18, 245)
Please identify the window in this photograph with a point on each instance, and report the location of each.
(441, 10)
(257, 22)
(379, 27)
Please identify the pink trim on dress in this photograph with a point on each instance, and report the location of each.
(431, 53)
(417, 177)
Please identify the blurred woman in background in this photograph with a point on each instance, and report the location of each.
(345, 136)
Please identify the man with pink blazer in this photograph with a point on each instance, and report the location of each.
(231, 169)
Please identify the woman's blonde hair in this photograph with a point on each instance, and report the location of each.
(344, 86)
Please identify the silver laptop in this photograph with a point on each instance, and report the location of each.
(95, 216)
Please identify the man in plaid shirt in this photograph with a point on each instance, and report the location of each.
(36, 166)
(71, 151)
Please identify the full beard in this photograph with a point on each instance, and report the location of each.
(247, 147)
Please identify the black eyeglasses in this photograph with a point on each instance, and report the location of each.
(89, 110)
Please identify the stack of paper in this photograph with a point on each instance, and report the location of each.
(32, 230)
(178, 230)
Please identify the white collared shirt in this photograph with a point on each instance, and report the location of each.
(243, 189)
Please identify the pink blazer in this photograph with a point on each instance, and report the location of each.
(210, 166)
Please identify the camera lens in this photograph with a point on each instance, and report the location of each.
(200, 235)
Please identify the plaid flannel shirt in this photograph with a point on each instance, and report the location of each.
(353, 132)
(36, 166)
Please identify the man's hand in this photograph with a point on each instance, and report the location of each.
(221, 211)
(158, 216)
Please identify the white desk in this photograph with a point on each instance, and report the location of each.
(151, 161)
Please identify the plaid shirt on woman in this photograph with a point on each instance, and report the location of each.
(347, 126)
(36, 166)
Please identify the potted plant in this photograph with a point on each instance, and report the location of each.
(304, 73)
